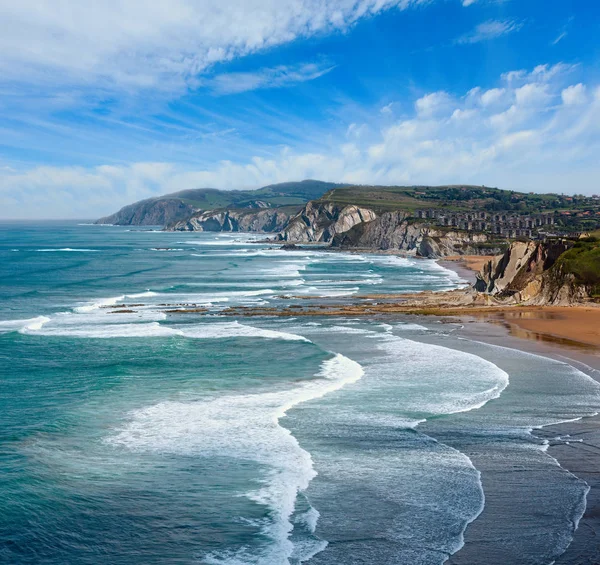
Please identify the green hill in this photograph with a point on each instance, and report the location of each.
(583, 262)
(180, 205)
(449, 197)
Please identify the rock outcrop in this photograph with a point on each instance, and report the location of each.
(322, 221)
(391, 230)
(262, 220)
(531, 273)
(151, 212)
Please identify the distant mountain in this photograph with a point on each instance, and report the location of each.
(179, 206)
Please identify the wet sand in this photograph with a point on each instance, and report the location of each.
(578, 450)
(559, 325)
(571, 335)
(577, 325)
(467, 266)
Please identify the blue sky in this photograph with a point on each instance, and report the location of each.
(103, 105)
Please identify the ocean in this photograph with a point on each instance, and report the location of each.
(135, 434)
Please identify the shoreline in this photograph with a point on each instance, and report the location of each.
(567, 334)
(466, 266)
(575, 445)
(570, 334)
(576, 326)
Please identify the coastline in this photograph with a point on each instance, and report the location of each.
(566, 334)
(466, 266)
(562, 333)
(570, 335)
(577, 326)
(575, 445)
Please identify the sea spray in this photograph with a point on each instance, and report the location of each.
(244, 427)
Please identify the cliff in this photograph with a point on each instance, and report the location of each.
(541, 273)
(152, 212)
(392, 231)
(321, 222)
(268, 220)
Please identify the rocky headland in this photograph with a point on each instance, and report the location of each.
(429, 222)
(266, 220)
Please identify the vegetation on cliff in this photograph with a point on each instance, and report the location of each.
(457, 197)
(583, 262)
(549, 272)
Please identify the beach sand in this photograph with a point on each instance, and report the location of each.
(579, 447)
(577, 326)
(467, 266)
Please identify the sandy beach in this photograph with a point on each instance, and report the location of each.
(579, 326)
(575, 445)
(466, 265)
(575, 325)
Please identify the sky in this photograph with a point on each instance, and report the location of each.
(106, 103)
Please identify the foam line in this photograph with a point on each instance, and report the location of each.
(244, 427)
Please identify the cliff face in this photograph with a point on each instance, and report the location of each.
(530, 273)
(392, 231)
(262, 221)
(149, 213)
(321, 222)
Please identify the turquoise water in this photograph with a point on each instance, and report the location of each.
(133, 434)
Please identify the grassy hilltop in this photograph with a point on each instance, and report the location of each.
(583, 261)
(573, 213)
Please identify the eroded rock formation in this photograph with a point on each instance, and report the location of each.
(392, 231)
(266, 220)
(530, 273)
(322, 221)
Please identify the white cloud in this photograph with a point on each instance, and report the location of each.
(574, 94)
(540, 134)
(545, 73)
(161, 44)
(432, 104)
(387, 109)
(277, 77)
(492, 96)
(356, 131)
(490, 29)
(468, 2)
(532, 94)
(564, 31)
(466, 114)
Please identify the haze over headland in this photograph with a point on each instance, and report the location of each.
(103, 106)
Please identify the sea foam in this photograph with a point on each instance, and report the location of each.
(90, 327)
(244, 427)
(31, 324)
(67, 250)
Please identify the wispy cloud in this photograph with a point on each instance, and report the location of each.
(467, 3)
(490, 29)
(276, 77)
(165, 46)
(387, 110)
(560, 37)
(564, 31)
(534, 130)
